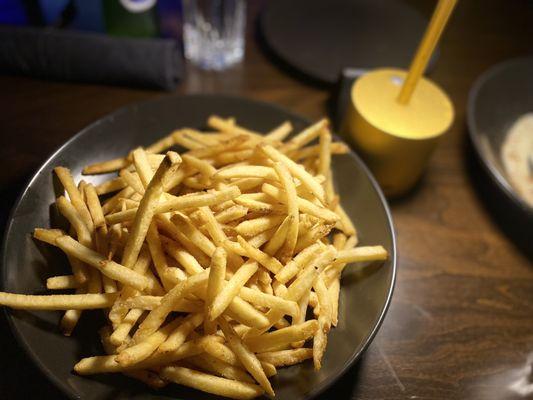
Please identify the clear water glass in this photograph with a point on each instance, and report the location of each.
(213, 32)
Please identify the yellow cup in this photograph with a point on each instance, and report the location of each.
(396, 140)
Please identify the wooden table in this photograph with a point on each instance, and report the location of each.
(461, 320)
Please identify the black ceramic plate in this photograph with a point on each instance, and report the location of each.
(26, 264)
(497, 99)
(319, 38)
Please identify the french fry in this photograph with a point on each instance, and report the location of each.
(270, 263)
(132, 180)
(304, 205)
(210, 383)
(215, 284)
(280, 132)
(48, 235)
(109, 268)
(147, 208)
(178, 336)
(146, 302)
(71, 214)
(292, 268)
(180, 203)
(110, 186)
(106, 166)
(271, 340)
(267, 300)
(231, 214)
(255, 226)
(230, 290)
(62, 282)
(246, 357)
(246, 171)
(324, 161)
(285, 358)
(75, 197)
(278, 238)
(106, 364)
(141, 351)
(157, 316)
(296, 170)
(363, 253)
(120, 334)
(213, 365)
(57, 301)
(291, 199)
(158, 257)
(345, 223)
(95, 208)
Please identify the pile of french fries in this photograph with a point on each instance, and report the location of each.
(213, 268)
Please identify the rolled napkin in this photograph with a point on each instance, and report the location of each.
(87, 57)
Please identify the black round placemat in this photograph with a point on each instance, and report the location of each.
(319, 38)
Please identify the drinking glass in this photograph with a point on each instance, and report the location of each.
(213, 32)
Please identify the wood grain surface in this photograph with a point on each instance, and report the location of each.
(461, 322)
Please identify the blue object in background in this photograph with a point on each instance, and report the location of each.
(12, 12)
(169, 13)
(89, 16)
(51, 10)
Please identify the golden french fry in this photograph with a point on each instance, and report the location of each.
(255, 226)
(210, 383)
(246, 357)
(57, 301)
(285, 358)
(213, 365)
(157, 316)
(71, 214)
(106, 166)
(180, 203)
(109, 268)
(230, 290)
(48, 235)
(105, 364)
(215, 284)
(158, 257)
(120, 334)
(110, 186)
(231, 214)
(280, 132)
(75, 197)
(246, 171)
(147, 208)
(270, 263)
(363, 253)
(346, 224)
(141, 351)
(296, 170)
(267, 300)
(304, 205)
(324, 161)
(132, 180)
(95, 208)
(291, 199)
(292, 268)
(178, 336)
(62, 282)
(293, 333)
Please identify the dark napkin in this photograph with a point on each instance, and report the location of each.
(86, 57)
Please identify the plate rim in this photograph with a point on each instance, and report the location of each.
(473, 132)
(329, 381)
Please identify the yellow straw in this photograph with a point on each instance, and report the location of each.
(425, 49)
